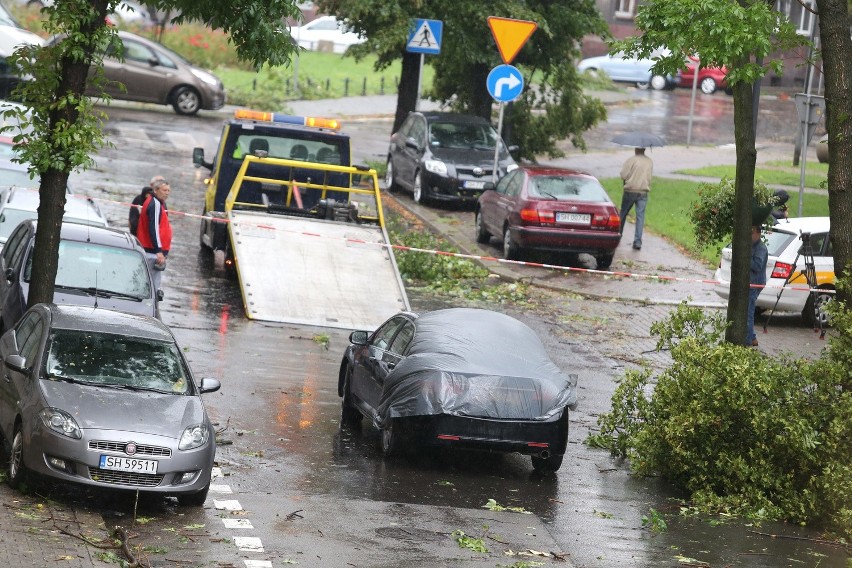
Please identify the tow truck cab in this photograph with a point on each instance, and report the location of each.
(270, 135)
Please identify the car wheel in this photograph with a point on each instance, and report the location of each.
(511, 251)
(708, 85)
(201, 232)
(390, 438)
(814, 312)
(390, 182)
(659, 83)
(482, 235)
(643, 85)
(547, 465)
(196, 499)
(186, 101)
(604, 261)
(417, 192)
(350, 416)
(17, 469)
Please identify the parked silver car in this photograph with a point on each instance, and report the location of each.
(104, 398)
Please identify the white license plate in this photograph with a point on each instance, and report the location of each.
(118, 463)
(576, 218)
(474, 185)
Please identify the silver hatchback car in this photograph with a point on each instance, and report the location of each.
(104, 398)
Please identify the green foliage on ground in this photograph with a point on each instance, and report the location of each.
(669, 209)
(740, 432)
(773, 173)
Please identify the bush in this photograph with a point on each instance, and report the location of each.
(739, 431)
(712, 214)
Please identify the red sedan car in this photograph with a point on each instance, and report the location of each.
(549, 209)
(709, 78)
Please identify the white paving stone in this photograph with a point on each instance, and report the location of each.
(237, 524)
(248, 543)
(220, 488)
(258, 563)
(227, 505)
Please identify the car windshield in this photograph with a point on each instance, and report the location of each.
(105, 359)
(462, 136)
(567, 188)
(92, 266)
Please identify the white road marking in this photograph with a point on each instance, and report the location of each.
(216, 472)
(248, 543)
(182, 140)
(227, 505)
(258, 563)
(237, 524)
(220, 488)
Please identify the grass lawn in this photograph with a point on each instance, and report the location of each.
(771, 173)
(669, 203)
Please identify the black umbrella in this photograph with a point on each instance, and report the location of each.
(639, 140)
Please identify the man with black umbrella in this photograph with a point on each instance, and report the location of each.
(636, 174)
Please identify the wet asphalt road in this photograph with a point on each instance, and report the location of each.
(282, 452)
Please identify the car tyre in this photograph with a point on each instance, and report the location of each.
(814, 312)
(201, 231)
(350, 416)
(604, 261)
(390, 438)
(482, 234)
(549, 464)
(186, 101)
(708, 85)
(659, 83)
(417, 192)
(511, 251)
(196, 499)
(643, 85)
(390, 182)
(17, 470)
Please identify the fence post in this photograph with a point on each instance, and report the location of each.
(327, 84)
(382, 85)
(287, 86)
(364, 88)
(346, 87)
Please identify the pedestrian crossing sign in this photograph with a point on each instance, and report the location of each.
(425, 36)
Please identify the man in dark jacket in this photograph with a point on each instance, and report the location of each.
(133, 216)
(154, 230)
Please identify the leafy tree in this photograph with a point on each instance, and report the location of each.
(552, 106)
(738, 34)
(66, 128)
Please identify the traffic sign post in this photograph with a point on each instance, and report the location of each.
(424, 37)
(810, 109)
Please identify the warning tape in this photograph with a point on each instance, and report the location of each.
(635, 275)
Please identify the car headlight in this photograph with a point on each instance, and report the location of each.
(511, 167)
(60, 422)
(208, 78)
(436, 167)
(194, 437)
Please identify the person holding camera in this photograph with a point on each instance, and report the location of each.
(780, 211)
(154, 230)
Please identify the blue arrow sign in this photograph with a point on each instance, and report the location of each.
(505, 83)
(425, 37)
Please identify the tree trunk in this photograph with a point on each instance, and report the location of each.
(480, 100)
(406, 97)
(744, 188)
(834, 24)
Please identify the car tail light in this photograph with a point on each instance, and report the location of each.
(536, 216)
(606, 221)
(782, 270)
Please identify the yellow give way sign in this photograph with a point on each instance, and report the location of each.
(510, 35)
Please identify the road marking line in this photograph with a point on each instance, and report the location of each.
(258, 563)
(227, 505)
(220, 488)
(237, 524)
(248, 543)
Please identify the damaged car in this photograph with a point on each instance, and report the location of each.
(460, 378)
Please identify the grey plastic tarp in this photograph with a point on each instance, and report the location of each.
(476, 363)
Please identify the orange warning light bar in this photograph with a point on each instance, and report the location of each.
(262, 116)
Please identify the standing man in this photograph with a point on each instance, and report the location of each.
(757, 276)
(154, 231)
(636, 174)
(133, 215)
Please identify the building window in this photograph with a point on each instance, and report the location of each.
(625, 8)
(807, 18)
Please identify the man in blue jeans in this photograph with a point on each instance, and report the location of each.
(757, 276)
(636, 174)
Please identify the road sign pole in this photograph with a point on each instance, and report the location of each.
(419, 83)
(497, 144)
(803, 156)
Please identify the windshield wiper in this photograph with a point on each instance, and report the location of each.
(67, 379)
(101, 293)
(138, 388)
(550, 195)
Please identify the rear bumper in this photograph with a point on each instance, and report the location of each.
(790, 300)
(566, 240)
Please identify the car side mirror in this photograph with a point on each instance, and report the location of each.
(160, 295)
(514, 149)
(10, 275)
(17, 363)
(198, 159)
(209, 385)
(358, 338)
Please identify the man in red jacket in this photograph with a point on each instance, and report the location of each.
(154, 231)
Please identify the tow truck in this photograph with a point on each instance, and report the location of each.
(302, 228)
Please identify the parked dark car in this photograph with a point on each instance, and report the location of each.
(461, 378)
(98, 266)
(106, 399)
(549, 209)
(152, 73)
(440, 156)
